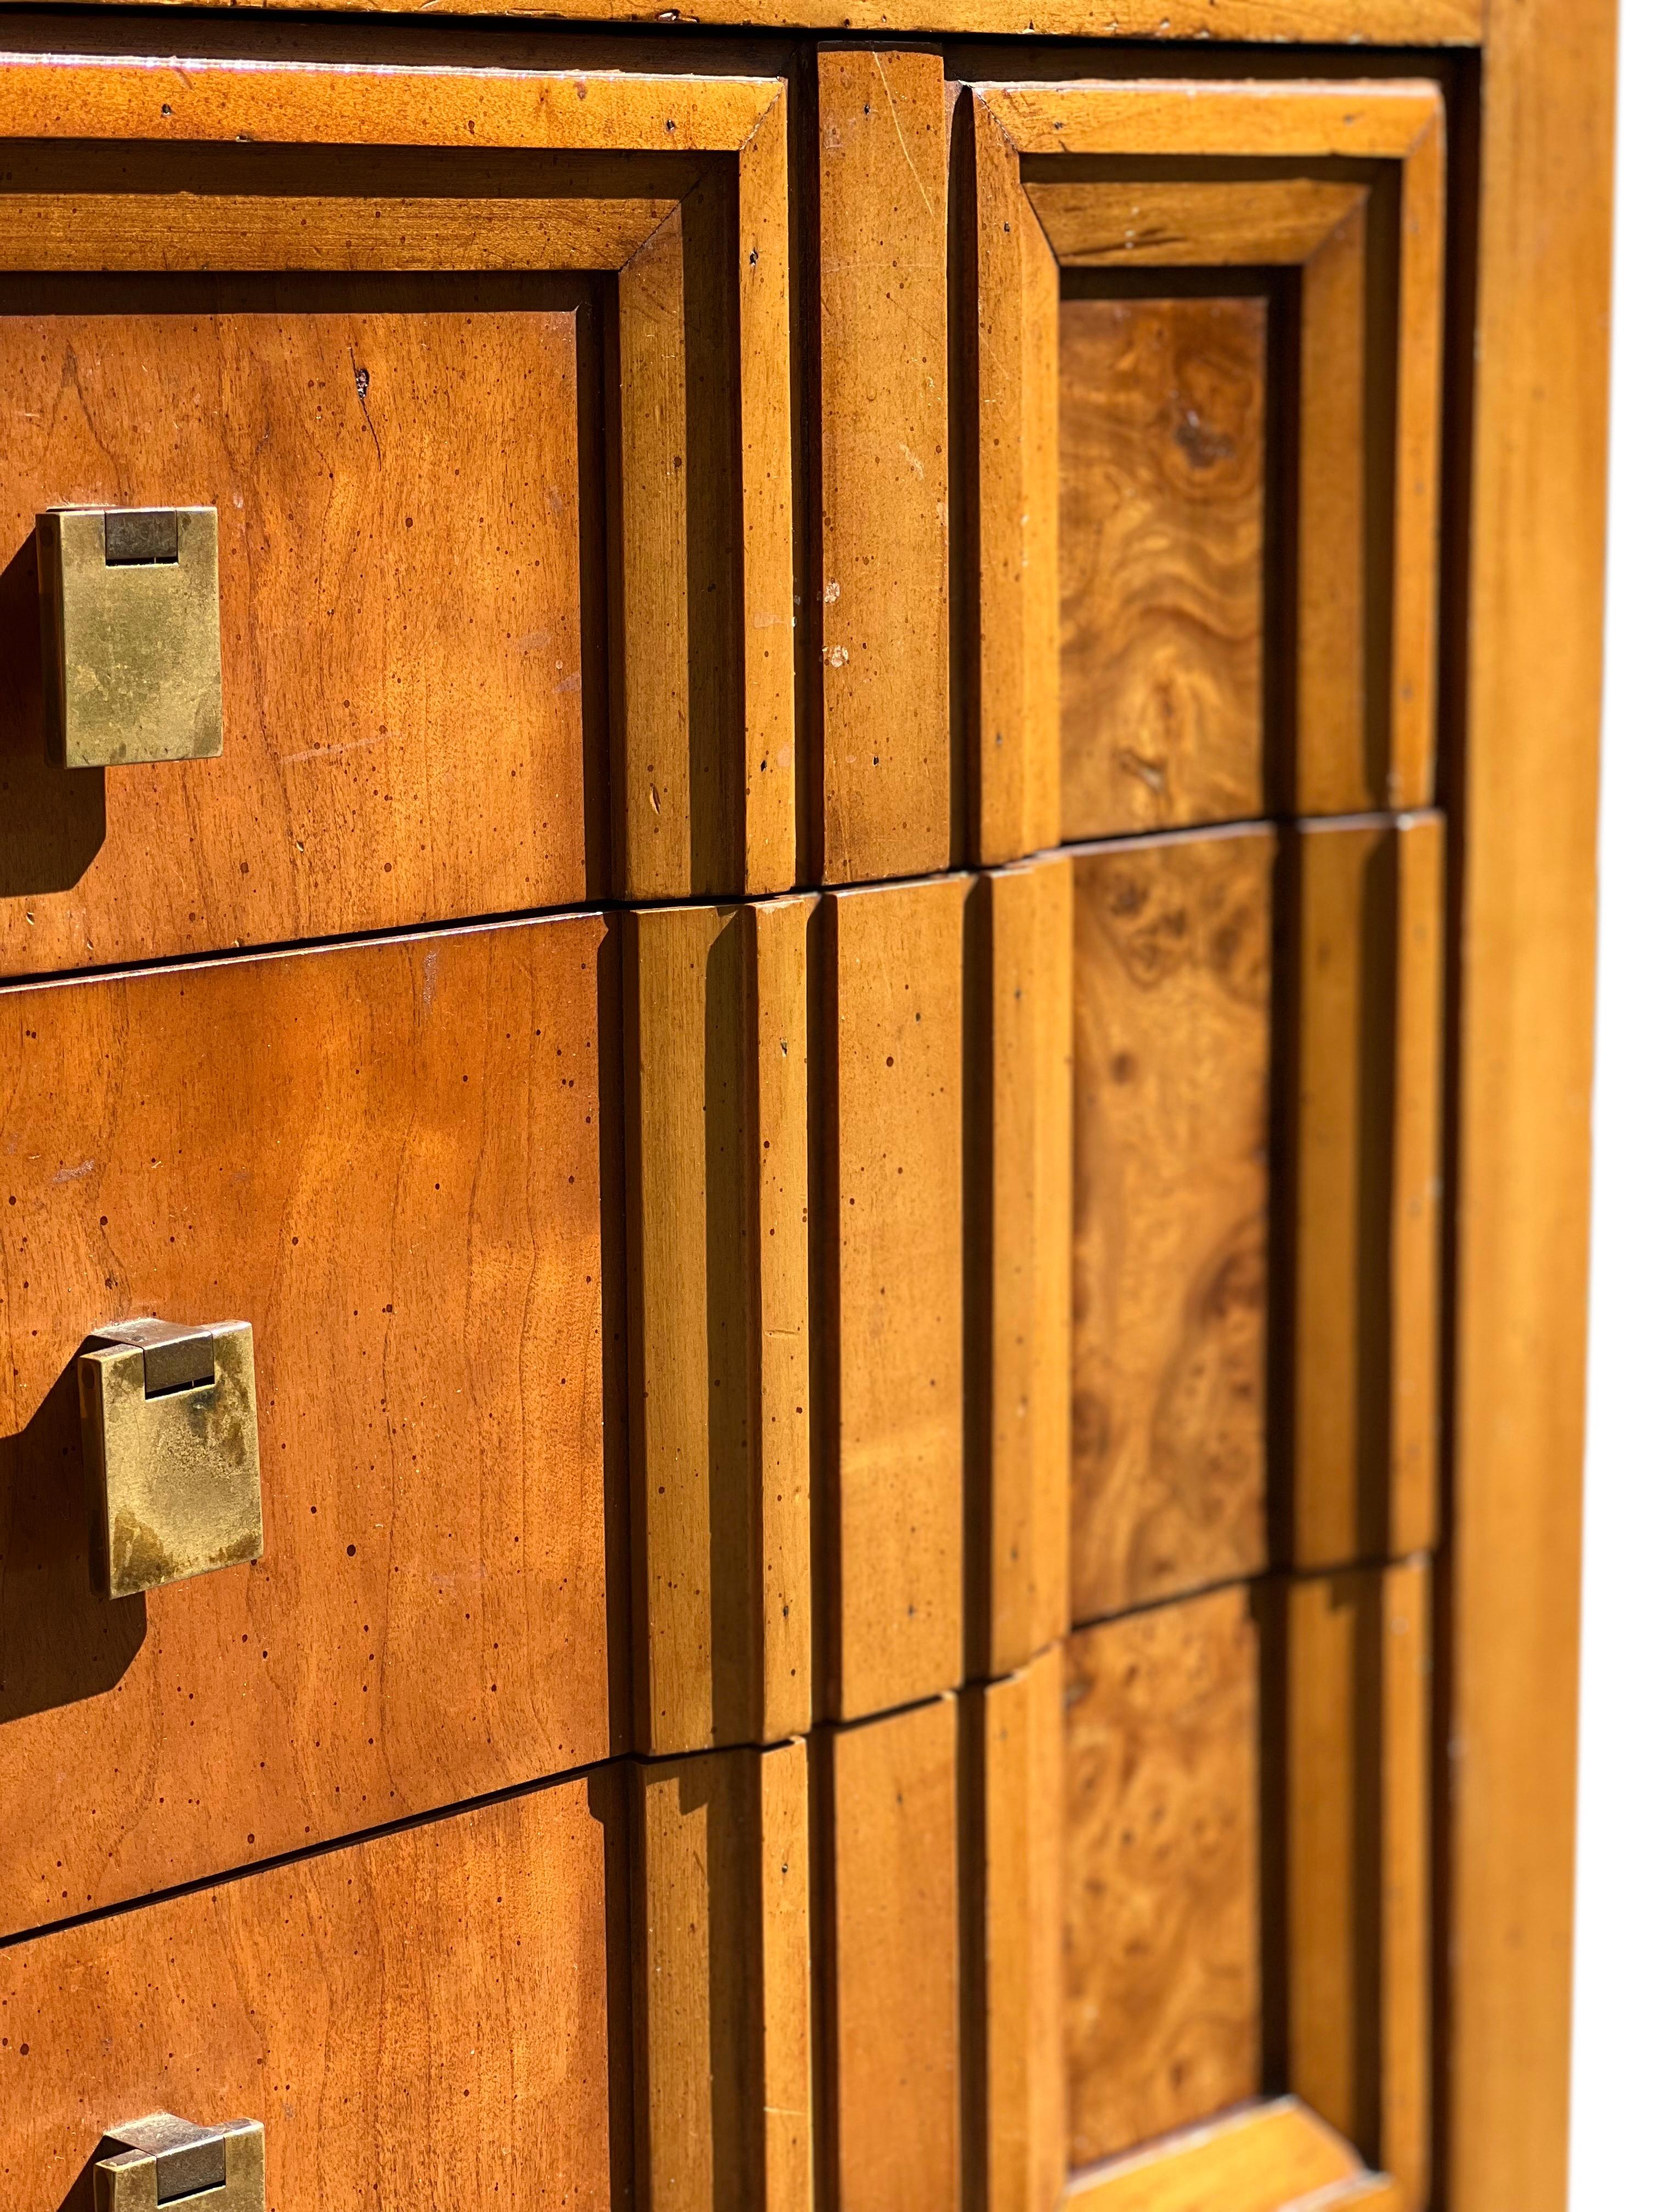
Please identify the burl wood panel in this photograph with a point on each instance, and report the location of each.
(886, 1952)
(714, 1029)
(1162, 1977)
(1173, 990)
(388, 1158)
(888, 1513)
(1162, 455)
(722, 1983)
(405, 473)
(433, 2016)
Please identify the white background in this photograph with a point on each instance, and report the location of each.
(1615, 2080)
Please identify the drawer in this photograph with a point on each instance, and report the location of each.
(386, 1158)
(433, 2016)
(486, 373)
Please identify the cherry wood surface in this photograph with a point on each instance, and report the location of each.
(880, 574)
(886, 1943)
(714, 1018)
(393, 754)
(429, 2016)
(722, 1981)
(389, 1159)
(888, 1514)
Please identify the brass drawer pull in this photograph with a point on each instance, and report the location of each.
(170, 1434)
(130, 634)
(165, 2160)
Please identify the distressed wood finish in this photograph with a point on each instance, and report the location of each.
(1173, 1000)
(722, 1984)
(1528, 948)
(1162, 511)
(714, 1035)
(1266, 2158)
(1020, 931)
(1163, 2018)
(889, 1523)
(426, 2017)
(1013, 1932)
(885, 797)
(1357, 1766)
(885, 1845)
(1370, 952)
(388, 1158)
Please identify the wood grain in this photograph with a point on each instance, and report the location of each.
(1020, 929)
(389, 1159)
(431, 2016)
(722, 1995)
(1339, 730)
(1163, 2016)
(1147, 223)
(1014, 495)
(1013, 1971)
(1173, 990)
(885, 1844)
(1379, 22)
(356, 792)
(702, 570)
(1375, 118)
(882, 578)
(1267, 2157)
(1356, 1755)
(276, 100)
(714, 1003)
(1162, 455)
(1526, 944)
(1364, 1463)
(890, 1523)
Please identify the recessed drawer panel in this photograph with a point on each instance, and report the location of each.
(413, 730)
(386, 1158)
(432, 2017)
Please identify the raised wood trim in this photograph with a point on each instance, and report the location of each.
(1524, 1027)
(1366, 692)
(354, 104)
(715, 1028)
(881, 571)
(1266, 2157)
(1354, 22)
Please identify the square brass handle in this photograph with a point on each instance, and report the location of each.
(130, 634)
(170, 1435)
(163, 2161)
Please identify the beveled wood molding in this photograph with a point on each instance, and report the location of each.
(1364, 22)
(1366, 642)
(676, 187)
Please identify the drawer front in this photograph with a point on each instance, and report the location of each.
(431, 2017)
(487, 375)
(399, 470)
(387, 1158)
